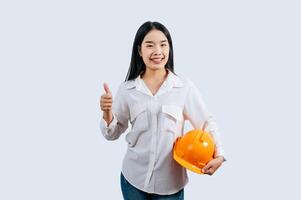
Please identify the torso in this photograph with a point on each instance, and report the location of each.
(154, 85)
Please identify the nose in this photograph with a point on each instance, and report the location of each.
(157, 51)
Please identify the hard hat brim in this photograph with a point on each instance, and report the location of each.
(186, 164)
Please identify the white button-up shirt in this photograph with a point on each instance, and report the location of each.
(156, 121)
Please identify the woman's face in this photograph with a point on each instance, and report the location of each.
(155, 50)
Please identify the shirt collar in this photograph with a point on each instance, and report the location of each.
(171, 81)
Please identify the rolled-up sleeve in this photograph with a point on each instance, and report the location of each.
(120, 111)
(196, 112)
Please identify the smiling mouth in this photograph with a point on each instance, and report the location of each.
(156, 60)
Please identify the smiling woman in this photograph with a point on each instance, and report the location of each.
(154, 50)
(156, 102)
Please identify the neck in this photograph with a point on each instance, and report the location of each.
(155, 75)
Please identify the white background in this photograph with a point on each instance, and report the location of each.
(55, 55)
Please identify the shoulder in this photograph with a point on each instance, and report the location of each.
(125, 85)
(183, 81)
(188, 85)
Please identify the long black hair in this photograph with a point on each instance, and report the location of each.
(137, 65)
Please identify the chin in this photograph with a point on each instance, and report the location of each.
(156, 67)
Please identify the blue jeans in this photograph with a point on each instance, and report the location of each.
(129, 192)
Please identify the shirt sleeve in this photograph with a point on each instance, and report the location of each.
(120, 111)
(196, 112)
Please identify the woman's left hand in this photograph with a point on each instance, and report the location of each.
(213, 165)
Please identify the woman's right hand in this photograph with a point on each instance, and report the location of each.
(106, 102)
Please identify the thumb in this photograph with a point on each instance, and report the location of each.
(107, 89)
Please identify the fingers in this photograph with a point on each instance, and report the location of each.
(209, 171)
(106, 107)
(209, 168)
(105, 99)
(212, 166)
(106, 103)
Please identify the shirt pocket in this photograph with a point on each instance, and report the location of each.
(139, 121)
(172, 117)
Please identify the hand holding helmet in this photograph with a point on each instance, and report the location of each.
(195, 151)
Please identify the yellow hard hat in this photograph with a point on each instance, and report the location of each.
(194, 150)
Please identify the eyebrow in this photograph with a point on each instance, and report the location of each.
(153, 42)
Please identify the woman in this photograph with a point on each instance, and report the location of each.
(156, 102)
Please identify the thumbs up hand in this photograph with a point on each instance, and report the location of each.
(106, 102)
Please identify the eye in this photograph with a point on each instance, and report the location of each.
(149, 45)
(162, 45)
